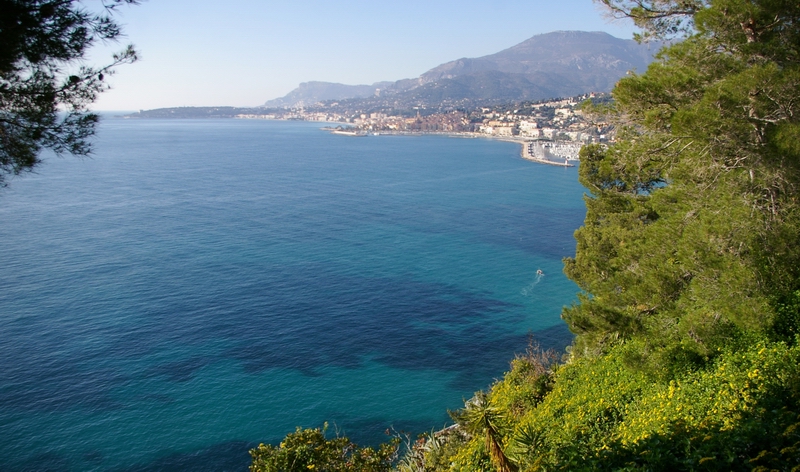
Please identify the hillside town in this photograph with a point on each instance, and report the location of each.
(558, 119)
(558, 126)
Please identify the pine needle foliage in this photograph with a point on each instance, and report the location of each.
(45, 88)
(691, 233)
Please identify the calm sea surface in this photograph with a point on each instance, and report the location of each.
(201, 286)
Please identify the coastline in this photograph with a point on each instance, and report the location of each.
(525, 152)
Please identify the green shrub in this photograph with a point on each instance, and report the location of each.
(740, 413)
(309, 450)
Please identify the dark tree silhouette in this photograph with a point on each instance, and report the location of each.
(44, 89)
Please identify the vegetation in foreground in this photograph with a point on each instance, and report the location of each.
(686, 354)
(310, 449)
(45, 86)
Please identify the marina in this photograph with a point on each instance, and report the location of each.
(546, 152)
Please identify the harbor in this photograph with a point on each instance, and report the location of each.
(552, 153)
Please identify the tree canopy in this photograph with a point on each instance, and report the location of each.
(45, 90)
(693, 221)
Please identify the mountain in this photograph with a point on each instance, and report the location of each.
(312, 92)
(578, 56)
(562, 63)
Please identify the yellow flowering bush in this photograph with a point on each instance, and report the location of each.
(740, 413)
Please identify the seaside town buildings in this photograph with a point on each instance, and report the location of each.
(559, 124)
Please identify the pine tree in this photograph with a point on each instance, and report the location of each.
(692, 224)
(44, 93)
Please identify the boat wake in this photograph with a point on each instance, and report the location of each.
(528, 290)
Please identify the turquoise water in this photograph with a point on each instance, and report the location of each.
(201, 286)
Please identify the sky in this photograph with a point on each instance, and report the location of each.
(245, 52)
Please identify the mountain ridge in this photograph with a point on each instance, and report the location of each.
(560, 63)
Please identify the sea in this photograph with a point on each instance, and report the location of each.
(198, 287)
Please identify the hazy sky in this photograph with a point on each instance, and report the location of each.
(245, 52)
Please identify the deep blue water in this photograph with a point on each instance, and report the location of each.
(198, 287)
